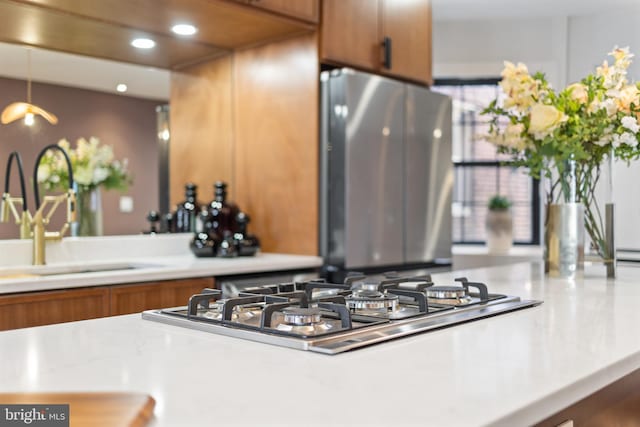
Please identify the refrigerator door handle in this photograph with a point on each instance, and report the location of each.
(386, 46)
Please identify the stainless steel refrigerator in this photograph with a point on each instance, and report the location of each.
(386, 174)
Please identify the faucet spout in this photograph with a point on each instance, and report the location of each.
(8, 207)
(36, 190)
(40, 218)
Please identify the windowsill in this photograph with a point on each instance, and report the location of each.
(475, 256)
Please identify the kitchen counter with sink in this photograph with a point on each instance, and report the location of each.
(513, 369)
(125, 259)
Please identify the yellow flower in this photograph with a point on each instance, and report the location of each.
(521, 89)
(544, 119)
(627, 96)
(513, 136)
(578, 92)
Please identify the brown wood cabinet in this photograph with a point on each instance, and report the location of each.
(134, 298)
(391, 37)
(306, 10)
(617, 404)
(44, 308)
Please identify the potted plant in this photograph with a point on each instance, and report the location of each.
(499, 225)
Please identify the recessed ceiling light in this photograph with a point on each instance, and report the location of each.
(143, 43)
(121, 87)
(184, 29)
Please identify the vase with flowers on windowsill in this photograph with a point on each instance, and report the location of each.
(569, 138)
(94, 168)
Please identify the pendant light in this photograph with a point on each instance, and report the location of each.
(18, 110)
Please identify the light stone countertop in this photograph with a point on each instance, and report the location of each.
(509, 370)
(161, 257)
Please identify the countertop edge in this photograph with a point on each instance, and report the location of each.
(168, 268)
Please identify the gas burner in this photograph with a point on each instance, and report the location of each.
(301, 316)
(452, 295)
(304, 321)
(368, 299)
(241, 313)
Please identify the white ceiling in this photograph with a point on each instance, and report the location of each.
(445, 10)
(80, 71)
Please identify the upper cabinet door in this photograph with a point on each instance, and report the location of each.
(349, 33)
(391, 37)
(306, 10)
(407, 24)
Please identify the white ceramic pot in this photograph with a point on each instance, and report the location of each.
(499, 226)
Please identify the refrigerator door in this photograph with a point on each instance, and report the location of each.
(365, 168)
(428, 177)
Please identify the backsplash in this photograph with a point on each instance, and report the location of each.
(106, 248)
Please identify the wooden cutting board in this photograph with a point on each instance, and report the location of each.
(93, 409)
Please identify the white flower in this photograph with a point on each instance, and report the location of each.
(608, 104)
(630, 122)
(626, 138)
(629, 139)
(44, 171)
(83, 175)
(100, 174)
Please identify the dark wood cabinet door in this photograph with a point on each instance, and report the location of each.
(306, 10)
(43, 308)
(134, 298)
(349, 33)
(408, 24)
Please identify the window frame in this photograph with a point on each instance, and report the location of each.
(498, 164)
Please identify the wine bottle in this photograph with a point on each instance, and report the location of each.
(185, 218)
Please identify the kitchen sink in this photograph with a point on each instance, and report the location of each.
(52, 270)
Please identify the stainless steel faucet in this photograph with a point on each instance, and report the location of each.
(34, 226)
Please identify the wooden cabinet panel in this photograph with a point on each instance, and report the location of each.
(276, 128)
(353, 31)
(408, 24)
(617, 404)
(43, 308)
(134, 298)
(201, 148)
(301, 9)
(349, 33)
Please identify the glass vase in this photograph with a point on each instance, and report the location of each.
(89, 213)
(564, 224)
(597, 197)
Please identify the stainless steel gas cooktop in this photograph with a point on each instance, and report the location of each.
(333, 318)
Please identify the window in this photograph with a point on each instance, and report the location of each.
(480, 172)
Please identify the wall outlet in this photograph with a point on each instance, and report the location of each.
(126, 204)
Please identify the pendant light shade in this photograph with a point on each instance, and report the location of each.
(26, 110)
(19, 110)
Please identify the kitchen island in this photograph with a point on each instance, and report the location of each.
(513, 369)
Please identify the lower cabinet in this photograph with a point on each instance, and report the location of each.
(134, 298)
(43, 308)
(617, 404)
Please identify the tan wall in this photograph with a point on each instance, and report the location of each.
(126, 123)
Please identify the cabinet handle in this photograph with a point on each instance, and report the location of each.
(386, 45)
